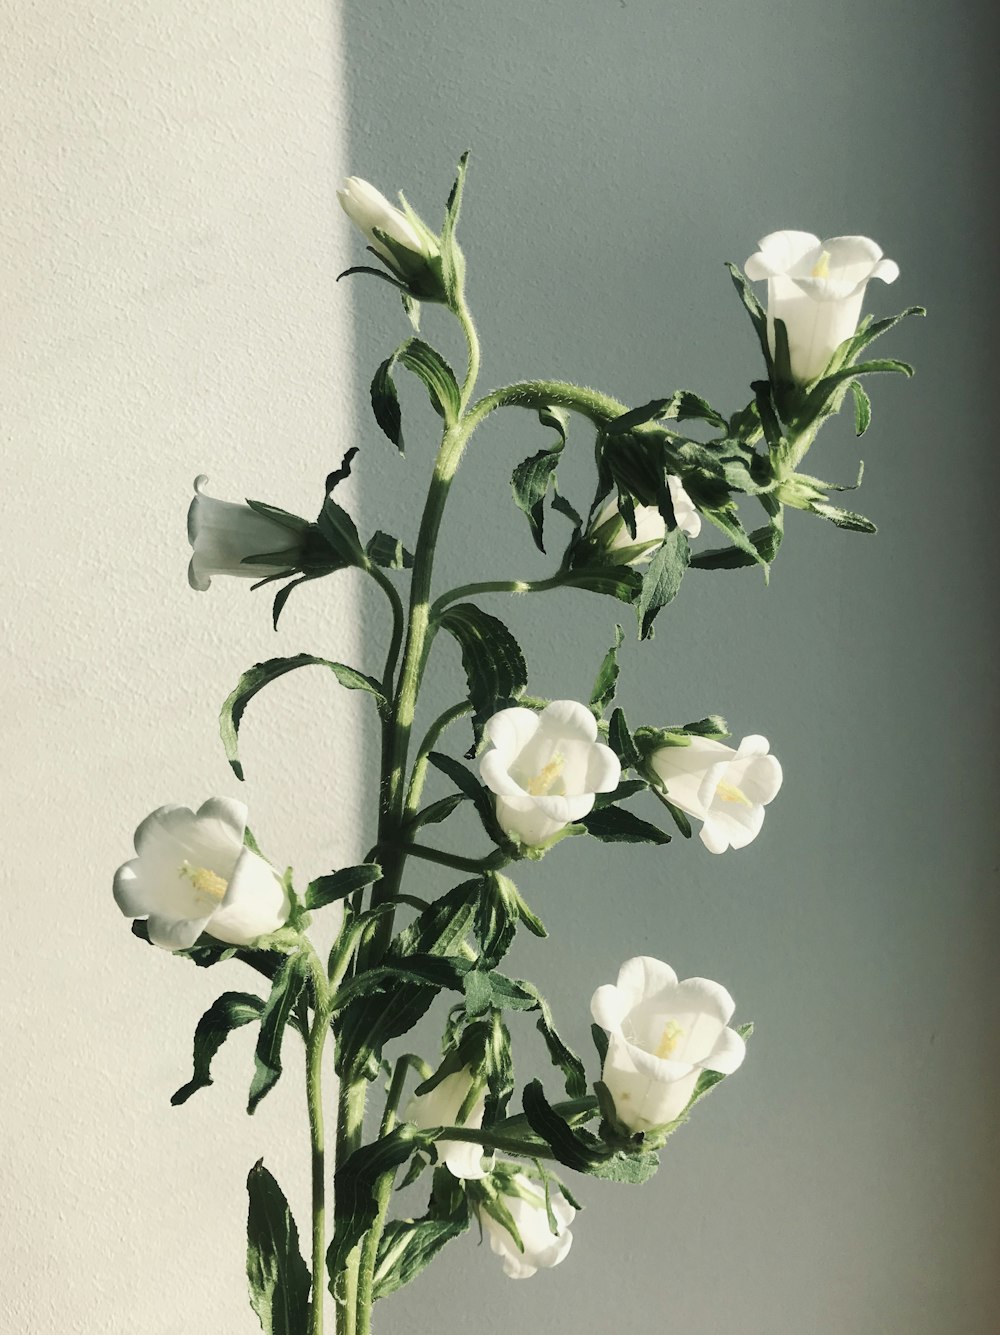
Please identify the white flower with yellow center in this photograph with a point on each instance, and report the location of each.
(609, 530)
(193, 874)
(442, 1106)
(661, 1035)
(543, 1246)
(727, 789)
(545, 768)
(817, 288)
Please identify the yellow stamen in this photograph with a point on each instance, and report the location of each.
(205, 881)
(821, 269)
(540, 784)
(672, 1035)
(730, 793)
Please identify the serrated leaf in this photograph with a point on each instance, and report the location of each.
(388, 552)
(277, 1275)
(340, 884)
(662, 579)
(285, 989)
(681, 406)
(492, 659)
(616, 825)
(226, 1013)
(530, 479)
(606, 683)
(437, 376)
(620, 741)
(385, 402)
(408, 1246)
(262, 674)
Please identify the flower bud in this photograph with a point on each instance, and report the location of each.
(224, 535)
(401, 240)
(609, 532)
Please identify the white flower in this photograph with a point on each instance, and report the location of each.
(726, 789)
(545, 768)
(661, 1035)
(369, 210)
(816, 287)
(442, 1106)
(223, 534)
(193, 874)
(608, 527)
(525, 1199)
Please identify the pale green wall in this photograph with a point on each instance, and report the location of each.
(844, 1183)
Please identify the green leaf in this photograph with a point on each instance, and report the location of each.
(621, 582)
(607, 678)
(335, 524)
(601, 1042)
(435, 812)
(581, 1151)
(480, 796)
(635, 1169)
(277, 1275)
(682, 406)
(354, 1203)
(862, 408)
(493, 662)
(374, 273)
(843, 518)
(439, 379)
(662, 579)
(452, 259)
(408, 1246)
(385, 402)
(753, 309)
(262, 674)
(434, 971)
(626, 789)
(616, 825)
(274, 1019)
(496, 918)
(869, 331)
(340, 884)
(388, 552)
(620, 741)
(225, 1014)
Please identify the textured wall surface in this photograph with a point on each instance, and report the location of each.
(170, 241)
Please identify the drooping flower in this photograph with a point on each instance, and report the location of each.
(224, 534)
(609, 531)
(442, 1106)
(541, 1246)
(545, 768)
(402, 240)
(661, 1035)
(817, 288)
(727, 789)
(193, 874)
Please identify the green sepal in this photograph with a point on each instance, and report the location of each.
(276, 1273)
(616, 825)
(662, 579)
(601, 1042)
(452, 259)
(616, 581)
(681, 406)
(388, 552)
(334, 523)
(606, 683)
(862, 408)
(340, 884)
(226, 1013)
(274, 1019)
(492, 659)
(262, 674)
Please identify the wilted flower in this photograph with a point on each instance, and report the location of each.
(609, 531)
(817, 288)
(541, 1246)
(442, 1106)
(193, 874)
(402, 240)
(726, 788)
(545, 768)
(661, 1035)
(224, 534)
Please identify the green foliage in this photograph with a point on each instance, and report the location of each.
(452, 259)
(662, 579)
(530, 479)
(225, 1014)
(616, 825)
(339, 884)
(607, 678)
(262, 674)
(408, 1246)
(278, 1011)
(430, 367)
(492, 659)
(388, 552)
(276, 1273)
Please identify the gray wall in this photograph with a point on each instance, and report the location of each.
(844, 1182)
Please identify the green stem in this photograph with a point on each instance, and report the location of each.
(398, 618)
(314, 1090)
(492, 862)
(350, 1114)
(472, 340)
(555, 581)
(419, 771)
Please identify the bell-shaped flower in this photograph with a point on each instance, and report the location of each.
(727, 789)
(609, 532)
(193, 874)
(405, 243)
(538, 1245)
(817, 288)
(545, 768)
(448, 1104)
(224, 535)
(661, 1035)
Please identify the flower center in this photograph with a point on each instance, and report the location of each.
(672, 1035)
(205, 881)
(821, 269)
(542, 783)
(730, 793)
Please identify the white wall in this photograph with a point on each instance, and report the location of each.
(170, 239)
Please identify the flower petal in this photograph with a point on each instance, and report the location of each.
(175, 933)
(524, 819)
(132, 892)
(778, 252)
(464, 1159)
(510, 730)
(256, 902)
(643, 976)
(570, 719)
(701, 994)
(609, 1006)
(604, 770)
(727, 1054)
